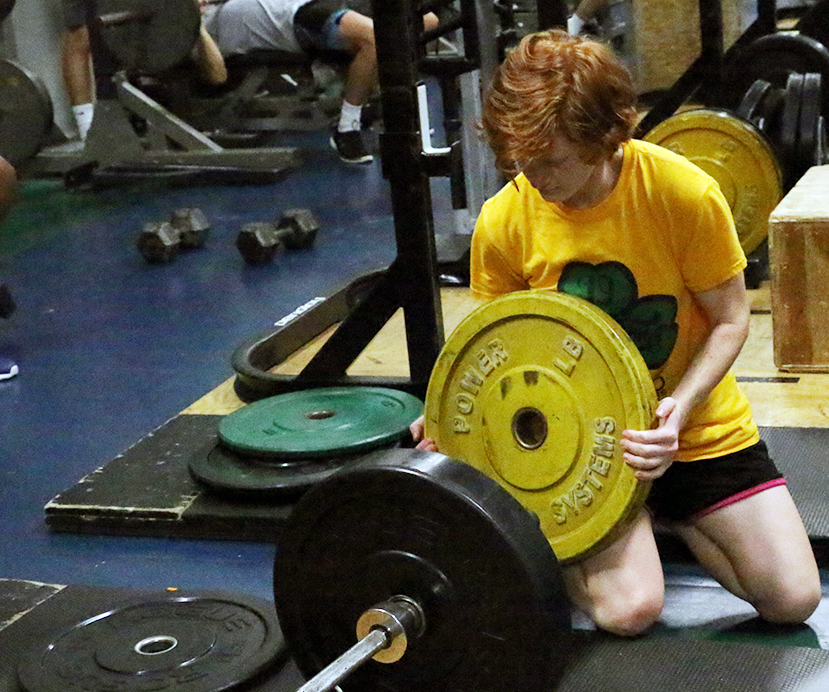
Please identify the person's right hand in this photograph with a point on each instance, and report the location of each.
(425, 443)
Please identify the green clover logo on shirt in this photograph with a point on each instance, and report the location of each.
(650, 321)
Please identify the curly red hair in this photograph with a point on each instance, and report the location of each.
(553, 83)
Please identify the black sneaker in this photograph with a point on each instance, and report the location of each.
(350, 147)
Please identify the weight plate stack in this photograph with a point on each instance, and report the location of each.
(176, 643)
(535, 389)
(773, 58)
(286, 443)
(25, 113)
(737, 155)
(422, 526)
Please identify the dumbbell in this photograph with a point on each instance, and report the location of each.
(161, 241)
(259, 241)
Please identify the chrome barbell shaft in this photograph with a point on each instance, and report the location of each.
(362, 651)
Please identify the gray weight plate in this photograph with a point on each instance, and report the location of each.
(750, 107)
(149, 36)
(25, 113)
(808, 129)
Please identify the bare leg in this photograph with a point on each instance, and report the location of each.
(77, 74)
(361, 76)
(758, 549)
(621, 588)
(77, 66)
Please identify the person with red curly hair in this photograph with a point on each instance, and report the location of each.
(629, 225)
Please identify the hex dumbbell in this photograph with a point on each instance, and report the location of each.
(161, 241)
(260, 241)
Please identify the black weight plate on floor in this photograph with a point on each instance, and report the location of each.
(789, 124)
(25, 113)
(773, 58)
(808, 153)
(750, 107)
(172, 643)
(225, 471)
(149, 36)
(319, 423)
(419, 524)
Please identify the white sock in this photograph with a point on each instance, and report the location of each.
(574, 24)
(349, 117)
(83, 117)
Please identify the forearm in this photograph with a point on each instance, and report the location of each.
(209, 60)
(710, 365)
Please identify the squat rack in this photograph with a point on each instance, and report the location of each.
(364, 306)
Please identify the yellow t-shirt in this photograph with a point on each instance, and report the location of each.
(664, 233)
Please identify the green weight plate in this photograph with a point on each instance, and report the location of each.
(320, 422)
(737, 156)
(534, 389)
(25, 113)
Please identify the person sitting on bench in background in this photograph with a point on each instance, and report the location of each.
(242, 26)
(585, 11)
(592, 212)
(8, 196)
(77, 61)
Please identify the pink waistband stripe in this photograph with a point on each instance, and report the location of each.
(740, 496)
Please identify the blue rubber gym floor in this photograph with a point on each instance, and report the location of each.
(111, 347)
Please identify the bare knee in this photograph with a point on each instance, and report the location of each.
(630, 614)
(430, 21)
(790, 603)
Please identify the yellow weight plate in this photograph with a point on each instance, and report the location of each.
(737, 156)
(534, 389)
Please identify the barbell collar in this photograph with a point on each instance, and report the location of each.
(383, 633)
(401, 618)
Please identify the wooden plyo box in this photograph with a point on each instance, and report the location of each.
(799, 266)
(665, 38)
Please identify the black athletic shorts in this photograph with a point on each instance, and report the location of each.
(691, 489)
(77, 13)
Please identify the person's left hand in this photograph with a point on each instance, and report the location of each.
(651, 452)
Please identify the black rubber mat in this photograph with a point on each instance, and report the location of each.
(802, 454)
(595, 661)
